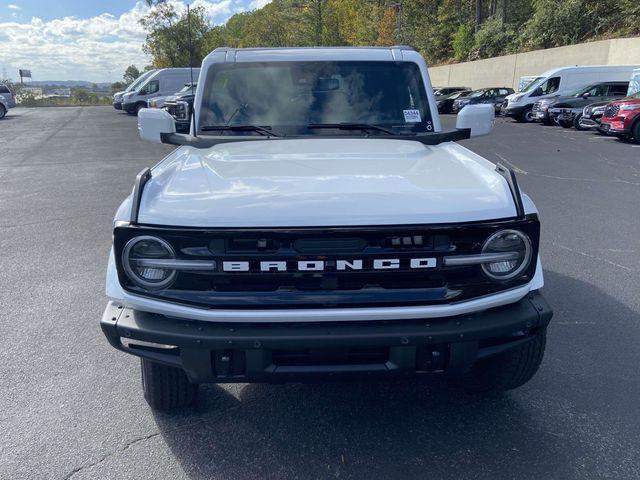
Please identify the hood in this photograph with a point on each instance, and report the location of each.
(627, 101)
(324, 182)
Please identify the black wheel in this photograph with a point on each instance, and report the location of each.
(565, 123)
(600, 131)
(507, 371)
(576, 122)
(166, 388)
(635, 132)
(139, 107)
(3, 111)
(526, 116)
(547, 121)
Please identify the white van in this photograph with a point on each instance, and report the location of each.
(162, 83)
(563, 81)
(117, 97)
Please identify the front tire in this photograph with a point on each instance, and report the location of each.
(506, 371)
(635, 131)
(166, 388)
(3, 111)
(139, 107)
(526, 116)
(576, 123)
(565, 123)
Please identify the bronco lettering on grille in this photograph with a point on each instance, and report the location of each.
(328, 265)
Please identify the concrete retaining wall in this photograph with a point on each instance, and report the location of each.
(506, 70)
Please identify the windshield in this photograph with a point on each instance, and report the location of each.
(476, 94)
(634, 84)
(462, 93)
(527, 83)
(289, 96)
(136, 83)
(533, 85)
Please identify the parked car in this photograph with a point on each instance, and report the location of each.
(180, 107)
(622, 118)
(557, 82)
(445, 102)
(567, 110)
(289, 241)
(445, 91)
(117, 97)
(162, 83)
(591, 116)
(7, 99)
(494, 96)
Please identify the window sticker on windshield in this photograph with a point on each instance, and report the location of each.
(412, 116)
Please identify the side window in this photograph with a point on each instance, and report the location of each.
(4, 89)
(152, 87)
(504, 91)
(618, 89)
(550, 86)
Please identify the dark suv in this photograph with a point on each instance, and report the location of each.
(567, 110)
(493, 95)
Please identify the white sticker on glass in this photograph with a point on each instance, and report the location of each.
(412, 116)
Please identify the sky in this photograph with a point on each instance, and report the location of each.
(93, 40)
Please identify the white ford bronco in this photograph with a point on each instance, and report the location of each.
(318, 223)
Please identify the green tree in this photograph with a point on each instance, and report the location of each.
(130, 74)
(168, 35)
(493, 39)
(463, 41)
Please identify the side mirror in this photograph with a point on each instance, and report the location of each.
(479, 118)
(586, 95)
(153, 122)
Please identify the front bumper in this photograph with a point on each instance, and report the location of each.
(514, 111)
(280, 352)
(614, 127)
(590, 122)
(129, 107)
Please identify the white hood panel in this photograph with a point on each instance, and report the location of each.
(324, 182)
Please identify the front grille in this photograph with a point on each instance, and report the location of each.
(611, 111)
(333, 286)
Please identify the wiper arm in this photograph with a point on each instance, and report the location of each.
(240, 128)
(352, 126)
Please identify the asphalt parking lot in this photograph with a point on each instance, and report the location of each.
(71, 406)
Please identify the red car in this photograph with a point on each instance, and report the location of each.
(622, 118)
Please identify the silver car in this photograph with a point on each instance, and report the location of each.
(7, 100)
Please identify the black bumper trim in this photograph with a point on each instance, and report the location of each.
(464, 339)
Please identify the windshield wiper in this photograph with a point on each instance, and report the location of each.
(241, 128)
(352, 126)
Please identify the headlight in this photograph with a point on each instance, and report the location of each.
(504, 242)
(630, 106)
(145, 259)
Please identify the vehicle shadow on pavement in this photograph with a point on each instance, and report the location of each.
(414, 428)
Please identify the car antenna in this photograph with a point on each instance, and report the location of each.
(193, 105)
